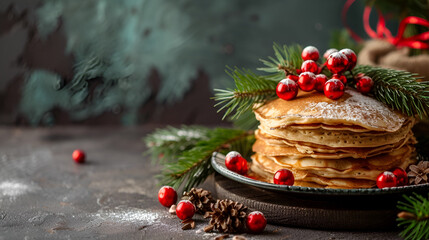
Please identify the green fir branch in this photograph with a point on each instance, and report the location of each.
(285, 61)
(192, 166)
(414, 218)
(164, 145)
(401, 90)
(249, 89)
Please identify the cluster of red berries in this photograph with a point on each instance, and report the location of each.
(185, 209)
(167, 196)
(236, 163)
(310, 77)
(396, 178)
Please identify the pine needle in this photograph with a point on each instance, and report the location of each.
(417, 226)
(164, 145)
(401, 90)
(287, 59)
(249, 89)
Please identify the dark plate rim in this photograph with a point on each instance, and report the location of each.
(217, 161)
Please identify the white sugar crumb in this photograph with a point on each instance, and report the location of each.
(357, 108)
(13, 188)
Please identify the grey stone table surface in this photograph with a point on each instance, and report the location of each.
(45, 195)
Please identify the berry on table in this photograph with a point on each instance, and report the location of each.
(256, 222)
(364, 84)
(386, 180)
(351, 57)
(334, 89)
(236, 163)
(337, 62)
(307, 81)
(167, 196)
(320, 82)
(310, 53)
(309, 66)
(284, 177)
(79, 156)
(287, 89)
(185, 209)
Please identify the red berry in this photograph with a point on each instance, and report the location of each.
(284, 177)
(320, 82)
(256, 222)
(79, 156)
(293, 77)
(386, 180)
(236, 163)
(309, 66)
(298, 71)
(287, 89)
(329, 51)
(310, 53)
(307, 81)
(340, 77)
(167, 196)
(401, 176)
(334, 89)
(364, 84)
(185, 209)
(337, 62)
(351, 57)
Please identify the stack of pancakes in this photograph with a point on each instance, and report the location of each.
(342, 143)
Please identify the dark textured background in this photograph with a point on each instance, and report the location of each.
(241, 32)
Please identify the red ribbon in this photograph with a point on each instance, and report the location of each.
(416, 41)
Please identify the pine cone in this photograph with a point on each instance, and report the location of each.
(418, 174)
(226, 216)
(200, 198)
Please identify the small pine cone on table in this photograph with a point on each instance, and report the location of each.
(419, 173)
(226, 216)
(200, 198)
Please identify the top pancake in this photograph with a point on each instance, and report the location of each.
(353, 109)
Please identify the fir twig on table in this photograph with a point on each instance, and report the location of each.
(164, 145)
(193, 166)
(401, 90)
(414, 218)
(249, 89)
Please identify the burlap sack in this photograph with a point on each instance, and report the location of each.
(382, 53)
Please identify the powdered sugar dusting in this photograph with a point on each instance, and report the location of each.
(357, 108)
(129, 215)
(13, 189)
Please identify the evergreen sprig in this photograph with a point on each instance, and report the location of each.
(167, 143)
(249, 89)
(287, 59)
(414, 218)
(398, 89)
(191, 166)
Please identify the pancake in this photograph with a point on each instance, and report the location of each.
(353, 109)
(339, 138)
(344, 143)
(271, 146)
